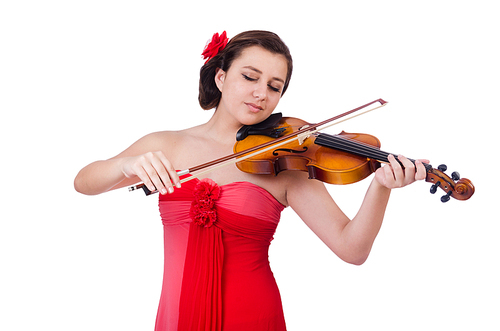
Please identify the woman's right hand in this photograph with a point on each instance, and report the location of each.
(154, 170)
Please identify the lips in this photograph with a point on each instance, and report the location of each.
(253, 107)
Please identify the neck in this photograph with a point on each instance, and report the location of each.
(222, 128)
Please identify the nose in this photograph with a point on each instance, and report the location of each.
(260, 92)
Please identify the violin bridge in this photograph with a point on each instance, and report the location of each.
(303, 136)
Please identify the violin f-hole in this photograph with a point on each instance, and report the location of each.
(289, 150)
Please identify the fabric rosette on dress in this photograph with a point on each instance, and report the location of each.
(203, 210)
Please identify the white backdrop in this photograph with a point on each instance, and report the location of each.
(82, 80)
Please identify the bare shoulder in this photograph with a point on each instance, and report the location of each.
(152, 142)
(299, 188)
(161, 140)
(289, 187)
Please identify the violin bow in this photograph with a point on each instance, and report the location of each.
(301, 135)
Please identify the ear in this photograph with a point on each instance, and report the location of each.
(220, 76)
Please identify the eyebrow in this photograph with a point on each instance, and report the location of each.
(260, 72)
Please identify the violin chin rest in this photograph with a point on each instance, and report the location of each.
(265, 128)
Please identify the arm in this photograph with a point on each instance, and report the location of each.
(137, 163)
(351, 240)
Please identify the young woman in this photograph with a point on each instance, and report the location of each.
(218, 228)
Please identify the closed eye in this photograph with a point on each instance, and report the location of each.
(250, 79)
(274, 88)
(254, 79)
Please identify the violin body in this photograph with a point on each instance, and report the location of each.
(323, 163)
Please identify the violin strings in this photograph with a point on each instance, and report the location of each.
(356, 147)
(351, 146)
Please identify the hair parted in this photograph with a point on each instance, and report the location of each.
(209, 95)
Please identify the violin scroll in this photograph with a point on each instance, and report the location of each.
(460, 189)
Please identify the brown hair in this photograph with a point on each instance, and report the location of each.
(210, 95)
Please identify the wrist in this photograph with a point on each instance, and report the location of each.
(379, 188)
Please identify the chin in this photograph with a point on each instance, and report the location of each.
(253, 118)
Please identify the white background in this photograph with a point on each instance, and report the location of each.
(82, 80)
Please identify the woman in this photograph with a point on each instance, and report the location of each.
(218, 229)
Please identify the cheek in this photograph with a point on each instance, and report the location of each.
(274, 100)
(236, 90)
(230, 94)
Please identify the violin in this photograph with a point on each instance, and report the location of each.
(340, 159)
(286, 143)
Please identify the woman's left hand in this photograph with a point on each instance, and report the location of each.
(393, 175)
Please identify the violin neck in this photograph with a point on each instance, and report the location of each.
(355, 147)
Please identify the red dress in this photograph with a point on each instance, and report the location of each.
(217, 274)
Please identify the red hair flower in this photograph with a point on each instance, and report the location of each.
(202, 210)
(216, 45)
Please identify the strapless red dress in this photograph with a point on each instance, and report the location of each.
(216, 273)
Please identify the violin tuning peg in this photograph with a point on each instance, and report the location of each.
(455, 175)
(434, 187)
(446, 197)
(442, 167)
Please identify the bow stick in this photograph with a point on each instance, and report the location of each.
(301, 135)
